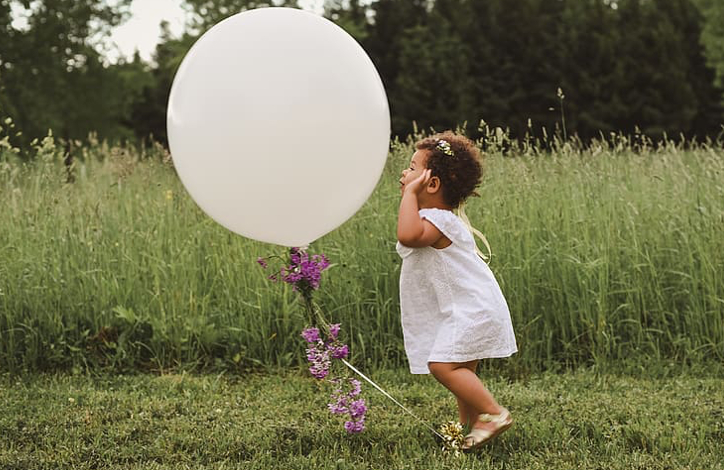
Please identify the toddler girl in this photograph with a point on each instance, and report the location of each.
(453, 312)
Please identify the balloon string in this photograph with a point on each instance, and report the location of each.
(381, 390)
(473, 231)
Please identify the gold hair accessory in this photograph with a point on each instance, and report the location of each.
(444, 147)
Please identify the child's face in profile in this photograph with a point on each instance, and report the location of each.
(418, 164)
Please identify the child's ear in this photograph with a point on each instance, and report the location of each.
(433, 185)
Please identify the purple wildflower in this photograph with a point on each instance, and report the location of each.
(344, 402)
(357, 409)
(356, 387)
(262, 262)
(321, 261)
(318, 372)
(339, 352)
(291, 276)
(338, 408)
(304, 272)
(319, 369)
(295, 254)
(354, 427)
(335, 348)
(311, 335)
(319, 362)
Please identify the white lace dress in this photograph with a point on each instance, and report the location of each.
(452, 307)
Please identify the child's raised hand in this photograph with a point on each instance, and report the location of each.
(419, 184)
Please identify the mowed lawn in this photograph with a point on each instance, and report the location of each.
(581, 420)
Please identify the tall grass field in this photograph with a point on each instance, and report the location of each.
(606, 252)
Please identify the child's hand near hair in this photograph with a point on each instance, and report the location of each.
(413, 231)
(419, 184)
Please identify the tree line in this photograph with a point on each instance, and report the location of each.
(580, 67)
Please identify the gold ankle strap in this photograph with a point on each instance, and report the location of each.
(488, 418)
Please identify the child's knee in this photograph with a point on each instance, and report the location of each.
(438, 369)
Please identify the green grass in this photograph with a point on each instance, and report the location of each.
(609, 252)
(582, 420)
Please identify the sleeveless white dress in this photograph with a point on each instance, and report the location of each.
(452, 307)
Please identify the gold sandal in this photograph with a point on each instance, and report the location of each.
(477, 437)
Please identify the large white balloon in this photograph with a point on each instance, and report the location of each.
(278, 125)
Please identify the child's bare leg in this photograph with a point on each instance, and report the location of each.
(468, 416)
(461, 380)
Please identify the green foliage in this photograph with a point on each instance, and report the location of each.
(442, 79)
(604, 253)
(148, 114)
(629, 65)
(207, 13)
(350, 15)
(637, 65)
(178, 421)
(384, 41)
(53, 77)
(712, 35)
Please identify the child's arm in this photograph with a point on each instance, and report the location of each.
(413, 231)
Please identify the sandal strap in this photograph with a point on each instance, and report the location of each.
(498, 419)
(477, 435)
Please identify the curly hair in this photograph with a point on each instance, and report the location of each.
(459, 173)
